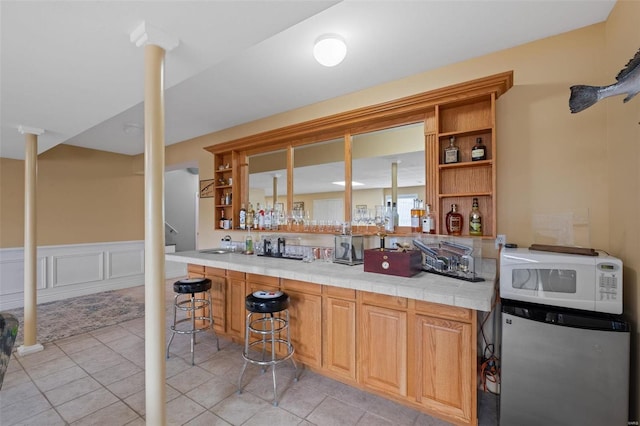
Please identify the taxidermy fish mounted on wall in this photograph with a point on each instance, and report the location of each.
(628, 82)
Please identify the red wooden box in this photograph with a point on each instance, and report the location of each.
(392, 262)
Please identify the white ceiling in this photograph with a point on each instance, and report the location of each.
(69, 68)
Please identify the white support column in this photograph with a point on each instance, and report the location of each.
(155, 44)
(30, 344)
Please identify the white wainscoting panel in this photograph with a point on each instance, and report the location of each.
(126, 263)
(76, 270)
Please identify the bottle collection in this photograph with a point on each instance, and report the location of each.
(452, 151)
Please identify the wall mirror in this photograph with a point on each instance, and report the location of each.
(318, 183)
(268, 174)
(373, 155)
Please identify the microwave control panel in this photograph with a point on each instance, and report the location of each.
(608, 280)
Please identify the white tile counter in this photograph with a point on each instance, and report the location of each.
(424, 286)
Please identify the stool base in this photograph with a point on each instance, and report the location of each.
(272, 358)
(192, 304)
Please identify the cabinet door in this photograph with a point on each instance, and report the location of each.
(340, 337)
(305, 327)
(236, 312)
(218, 290)
(383, 349)
(443, 366)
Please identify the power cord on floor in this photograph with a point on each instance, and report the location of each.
(490, 365)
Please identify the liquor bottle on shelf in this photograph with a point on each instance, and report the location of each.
(222, 219)
(396, 216)
(417, 213)
(251, 215)
(388, 218)
(428, 221)
(475, 219)
(479, 151)
(454, 221)
(451, 153)
(242, 218)
(260, 215)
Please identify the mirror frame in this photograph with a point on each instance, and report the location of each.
(412, 109)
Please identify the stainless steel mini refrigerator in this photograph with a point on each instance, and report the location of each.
(563, 367)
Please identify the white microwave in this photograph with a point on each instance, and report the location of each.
(591, 283)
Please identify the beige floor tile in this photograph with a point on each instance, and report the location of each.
(113, 415)
(47, 418)
(117, 372)
(372, 420)
(77, 343)
(23, 409)
(14, 365)
(96, 359)
(137, 422)
(189, 379)
(137, 400)
(60, 378)
(212, 392)
(176, 365)
(207, 419)
(273, 416)
(15, 378)
(62, 362)
(126, 341)
(332, 412)
(111, 333)
(301, 399)
(262, 385)
(426, 420)
(86, 404)
(182, 410)
(9, 396)
(236, 409)
(69, 391)
(128, 386)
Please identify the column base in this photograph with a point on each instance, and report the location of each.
(27, 350)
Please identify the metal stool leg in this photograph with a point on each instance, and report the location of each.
(193, 325)
(246, 351)
(173, 327)
(273, 362)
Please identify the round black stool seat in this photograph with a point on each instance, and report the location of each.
(192, 285)
(267, 302)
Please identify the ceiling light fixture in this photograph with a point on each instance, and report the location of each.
(353, 183)
(330, 50)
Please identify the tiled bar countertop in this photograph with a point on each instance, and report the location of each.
(424, 286)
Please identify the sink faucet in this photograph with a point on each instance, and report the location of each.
(227, 241)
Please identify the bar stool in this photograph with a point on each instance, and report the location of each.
(271, 331)
(190, 304)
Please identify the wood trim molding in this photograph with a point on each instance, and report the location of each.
(402, 108)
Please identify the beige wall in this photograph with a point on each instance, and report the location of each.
(83, 196)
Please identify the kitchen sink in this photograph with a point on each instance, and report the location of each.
(216, 251)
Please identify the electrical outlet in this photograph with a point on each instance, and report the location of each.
(501, 239)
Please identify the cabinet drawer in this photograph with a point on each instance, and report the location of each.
(444, 311)
(216, 272)
(376, 299)
(235, 274)
(263, 279)
(196, 269)
(301, 286)
(339, 292)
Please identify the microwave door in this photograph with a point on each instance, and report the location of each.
(556, 285)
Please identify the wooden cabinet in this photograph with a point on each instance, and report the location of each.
(236, 313)
(442, 372)
(218, 292)
(460, 182)
(339, 331)
(305, 316)
(383, 343)
(227, 176)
